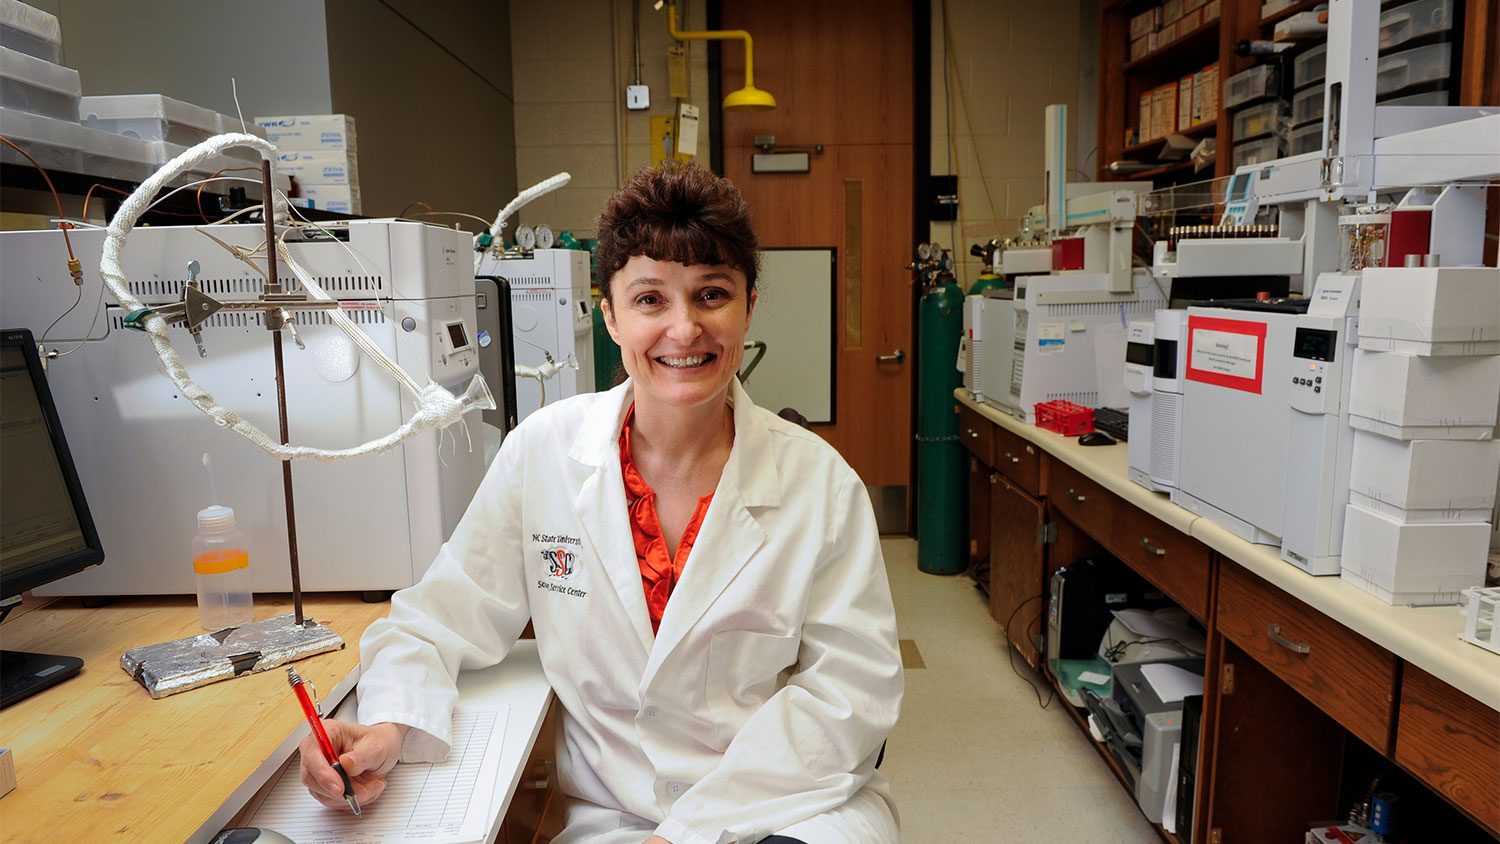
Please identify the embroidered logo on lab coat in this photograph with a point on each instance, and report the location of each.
(559, 563)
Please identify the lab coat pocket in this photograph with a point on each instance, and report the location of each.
(745, 669)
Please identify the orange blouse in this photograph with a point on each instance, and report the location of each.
(659, 572)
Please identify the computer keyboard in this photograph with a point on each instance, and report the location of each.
(1116, 423)
(24, 674)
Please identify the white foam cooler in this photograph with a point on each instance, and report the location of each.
(1430, 310)
(1411, 563)
(1409, 397)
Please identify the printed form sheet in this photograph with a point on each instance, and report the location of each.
(442, 803)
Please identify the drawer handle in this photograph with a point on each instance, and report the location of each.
(994, 479)
(1076, 497)
(1294, 647)
(1153, 550)
(1011, 458)
(973, 434)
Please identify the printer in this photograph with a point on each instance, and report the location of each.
(1141, 722)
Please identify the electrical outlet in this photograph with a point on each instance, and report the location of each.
(637, 97)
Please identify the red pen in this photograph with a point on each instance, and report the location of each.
(299, 686)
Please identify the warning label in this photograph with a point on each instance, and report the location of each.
(1226, 352)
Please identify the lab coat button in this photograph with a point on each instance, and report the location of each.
(676, 788)
(652, 712)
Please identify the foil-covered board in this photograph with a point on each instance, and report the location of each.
(177, 666)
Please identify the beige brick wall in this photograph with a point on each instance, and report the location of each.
(572, 60)
(1010, 60)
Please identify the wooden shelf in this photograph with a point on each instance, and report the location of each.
(1295, 8)
(1205, 37)
(1202, 130)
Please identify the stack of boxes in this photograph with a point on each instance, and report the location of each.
(1179, 106)
(1161, 25)
(39, 104)
(319, 151)
(1423, 402)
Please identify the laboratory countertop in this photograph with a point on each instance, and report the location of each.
(97, 758)
(1426, 637)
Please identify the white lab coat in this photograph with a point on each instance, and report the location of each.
(757, 709)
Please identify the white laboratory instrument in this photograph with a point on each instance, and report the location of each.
(1140, 352)
(372, 524)
(552, 315)
(1169, 371)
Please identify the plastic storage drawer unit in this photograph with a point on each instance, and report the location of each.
(1257, 151)
(30, 31)
(1257, 83)
(150, 117)
(55, 144)
(1264, 119)
(1310, 67)
(28, 83)
(1304, 139)
(1307, 106)
(1412, 67)
(1413, 21)
(1426, 98)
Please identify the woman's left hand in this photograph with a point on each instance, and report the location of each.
(657, 839)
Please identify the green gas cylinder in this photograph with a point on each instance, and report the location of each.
(941, 483)
(987, 281)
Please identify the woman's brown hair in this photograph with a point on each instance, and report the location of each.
(681, 213)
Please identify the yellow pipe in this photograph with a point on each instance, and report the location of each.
(715, 35)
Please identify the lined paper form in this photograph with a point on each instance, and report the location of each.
(442, 803)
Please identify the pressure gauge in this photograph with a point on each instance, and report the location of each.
(544, 238)
(526, 238)
(924, 251)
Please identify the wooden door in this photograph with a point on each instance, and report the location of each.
(841, 73)
(1016, 559)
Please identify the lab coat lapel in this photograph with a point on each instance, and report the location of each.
(602, 509)
(731, 531)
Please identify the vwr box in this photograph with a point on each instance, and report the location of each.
(310, 131)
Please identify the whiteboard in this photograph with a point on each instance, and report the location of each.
(795, 318)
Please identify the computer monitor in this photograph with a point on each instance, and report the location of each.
(46, 532)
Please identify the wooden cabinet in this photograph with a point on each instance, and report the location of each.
(1344, 674)
(977, 435)
(979, 519)
(1083, 502)
(527, 820)
(1017, 558)
(1018, 460)
(1451, 742)
(1176, 563)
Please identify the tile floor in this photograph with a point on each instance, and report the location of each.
(973, 758)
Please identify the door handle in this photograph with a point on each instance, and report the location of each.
(898, 356)
(1296, 647)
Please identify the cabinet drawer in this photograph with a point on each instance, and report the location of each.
(1174, 562)
(1449, 741)
(1083, 502)
(977, 435)
(1344, 674)
(1018, 460)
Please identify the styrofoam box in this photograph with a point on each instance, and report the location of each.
(115, 156)
(310, 131)
(326, 168)
(343, 199)
(1411, 397)
(55, 144)
(28, 83)
(150, 117)
(1412, 563)
(1430, 310)
(30, 30)
(1414, 20)
(1427, 480)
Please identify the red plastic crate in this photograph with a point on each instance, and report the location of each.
(1064, 417)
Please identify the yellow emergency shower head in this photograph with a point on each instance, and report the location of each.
(748, 98)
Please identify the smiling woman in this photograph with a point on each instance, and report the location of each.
(704, 578)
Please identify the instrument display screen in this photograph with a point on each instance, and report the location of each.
(1139, 353)
(1315, 344)
(457, 336)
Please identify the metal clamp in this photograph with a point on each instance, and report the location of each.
(1152, 549)
(1295, 647)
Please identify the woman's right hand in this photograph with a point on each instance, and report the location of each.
(367, 755)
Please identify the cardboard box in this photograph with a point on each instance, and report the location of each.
(1190, 5)
(1424, 481)
(1140, 47)
(1146, 22)
(1211, 92)
(1158, 119)
(1168, 33)
(1198, 116)
(1171, 10)
(1185, 102)
(1169, 109)
(310, 131)
(343, 199)
(1407, 397)
(328, 168)
(1189, 22)
(1211, 10)
(1430, 310)
(1403, 563)
(1144, 133)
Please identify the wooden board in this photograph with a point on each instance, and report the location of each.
(97, 757)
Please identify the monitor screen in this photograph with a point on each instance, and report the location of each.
(1239, 187)
(46, 532)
